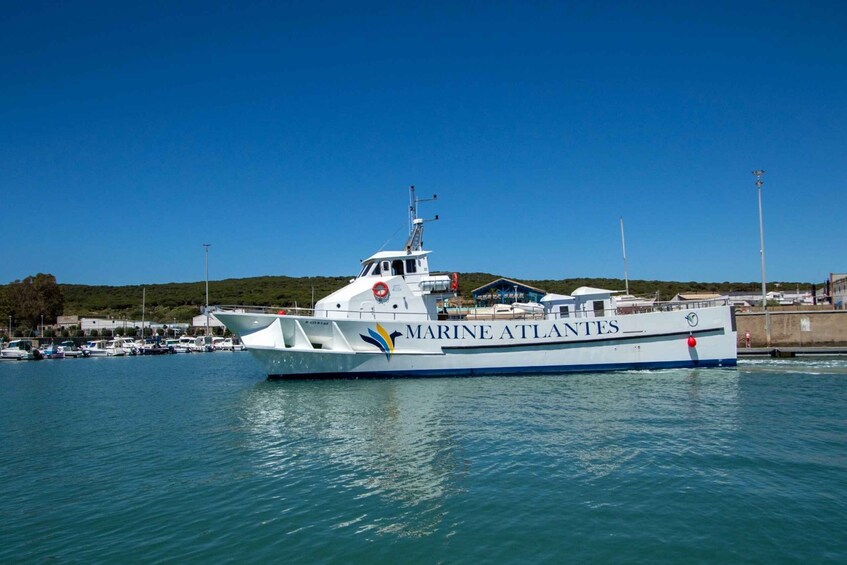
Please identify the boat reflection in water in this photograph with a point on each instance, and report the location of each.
(390, 440)
(408, 457)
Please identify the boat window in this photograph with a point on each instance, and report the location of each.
(410, 266)
(376, 270)
(598, 308)
(397, 267)
(364, 270)
(386, 268)
(564, 312)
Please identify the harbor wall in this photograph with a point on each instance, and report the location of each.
(795, 328)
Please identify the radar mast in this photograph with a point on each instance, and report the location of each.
(415, 241)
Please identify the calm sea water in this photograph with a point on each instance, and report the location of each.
(197, 458)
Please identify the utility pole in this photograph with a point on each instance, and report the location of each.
(206, 245)
(623, 245)
(758, 173)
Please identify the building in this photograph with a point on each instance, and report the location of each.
(696, 297)
(67, 322)
(838, 290)
(87, 325)
(199, 322)
(506, 291)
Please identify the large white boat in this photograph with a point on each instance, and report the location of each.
(20, 350)
(386, 323)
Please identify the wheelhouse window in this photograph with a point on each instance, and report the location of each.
(564, 311)
(397, 267)
(599, 310)
(411, 266)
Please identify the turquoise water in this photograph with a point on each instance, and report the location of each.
(197, 458)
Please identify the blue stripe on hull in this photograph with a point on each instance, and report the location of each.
(515, 371)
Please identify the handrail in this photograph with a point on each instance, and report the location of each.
(474, 313)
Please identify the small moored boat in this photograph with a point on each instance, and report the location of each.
(20, 350)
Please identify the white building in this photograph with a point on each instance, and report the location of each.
(87, 325)
(200, 320)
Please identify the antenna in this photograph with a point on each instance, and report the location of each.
(413, 206)
(415, 241)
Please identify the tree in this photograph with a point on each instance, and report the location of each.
(33, 297)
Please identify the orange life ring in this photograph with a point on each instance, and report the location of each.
(380, 290)
(454, 282)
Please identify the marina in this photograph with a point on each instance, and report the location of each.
(198, 458)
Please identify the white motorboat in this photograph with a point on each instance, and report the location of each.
(103, 348)
(20, 350)
(70, 349)
(128, 344)
(176, 346)
(227, 344)
(385, 323)
(200, 344)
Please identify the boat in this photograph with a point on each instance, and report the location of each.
(20, 350)
(103, 348)
(154, 346)
(53, 351)
(127, 344)
(386, 323)
(232, 344)
(70, 349)
(198, 344)
(176, 346)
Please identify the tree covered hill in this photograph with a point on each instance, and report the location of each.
(182, 301)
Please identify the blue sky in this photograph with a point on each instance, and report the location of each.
(286, 134)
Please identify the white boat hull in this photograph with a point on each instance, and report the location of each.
(307, 347)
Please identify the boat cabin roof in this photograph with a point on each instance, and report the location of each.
(396, 255)
(591, 291)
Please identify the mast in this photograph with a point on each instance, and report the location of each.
(206, 245)
(623, 244)
(143, 304)
(415, 241)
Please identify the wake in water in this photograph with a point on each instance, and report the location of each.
(805, 365)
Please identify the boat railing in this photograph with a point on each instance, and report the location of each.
(325, 314)
(644, 308)
(477, 313)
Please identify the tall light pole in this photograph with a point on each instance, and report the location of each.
(623, 246)
(206, 245)
(758, 173)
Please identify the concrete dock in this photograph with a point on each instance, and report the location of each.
(791, 351)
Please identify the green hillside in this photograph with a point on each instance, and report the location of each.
(182, 301)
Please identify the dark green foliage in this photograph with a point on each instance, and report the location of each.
(182, 301)
(29, 300)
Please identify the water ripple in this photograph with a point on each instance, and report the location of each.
(197, 458)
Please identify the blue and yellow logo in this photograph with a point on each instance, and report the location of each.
(693, 320)
(382, 339)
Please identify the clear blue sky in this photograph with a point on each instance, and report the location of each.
(286, 134)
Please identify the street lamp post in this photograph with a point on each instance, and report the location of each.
(206, 245)
(758, 173)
